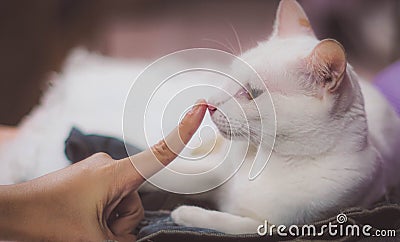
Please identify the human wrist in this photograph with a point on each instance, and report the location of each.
(14, 212)
(38, 210)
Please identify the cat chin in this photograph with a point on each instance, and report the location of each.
(251, 141)
(229, 136)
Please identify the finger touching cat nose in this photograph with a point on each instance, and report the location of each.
(152, 160)
(212, 109)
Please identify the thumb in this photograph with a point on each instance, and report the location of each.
(126, 216)
(161, 154)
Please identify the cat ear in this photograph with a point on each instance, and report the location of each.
(291, 20)
(328, 63)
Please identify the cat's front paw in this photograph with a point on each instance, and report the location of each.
(186, 215)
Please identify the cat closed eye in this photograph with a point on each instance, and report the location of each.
(243, 93)
(255, 92)
(249, 92)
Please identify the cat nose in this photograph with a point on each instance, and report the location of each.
(211, 109)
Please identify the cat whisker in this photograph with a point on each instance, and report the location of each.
(254, 136)
(231, 45)
(226, 47)
(237, 39)
(259, 133)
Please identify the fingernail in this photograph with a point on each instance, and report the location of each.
(200, 102)
(197, 105)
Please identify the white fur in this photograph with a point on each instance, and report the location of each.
(321, 162)
(332, 150)
(90, 93)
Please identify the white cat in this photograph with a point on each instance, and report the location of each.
(337, 140)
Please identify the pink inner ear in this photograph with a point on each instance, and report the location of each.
(329, 59)
(291, 20)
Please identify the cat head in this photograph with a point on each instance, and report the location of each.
(307, 79)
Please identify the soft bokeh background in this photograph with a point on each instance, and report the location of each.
(36, 36)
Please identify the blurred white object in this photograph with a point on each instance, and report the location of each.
(89, 93)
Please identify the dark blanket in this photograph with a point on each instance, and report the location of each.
(158, 226)
(79, 146)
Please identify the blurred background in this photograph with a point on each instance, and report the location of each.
(36, 36)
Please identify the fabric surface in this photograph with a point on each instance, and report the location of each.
(158, 225)
(79, 146)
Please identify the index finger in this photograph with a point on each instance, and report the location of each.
(152, 160)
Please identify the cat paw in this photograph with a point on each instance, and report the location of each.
(186, 215)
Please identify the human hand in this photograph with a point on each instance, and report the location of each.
(92, 200)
